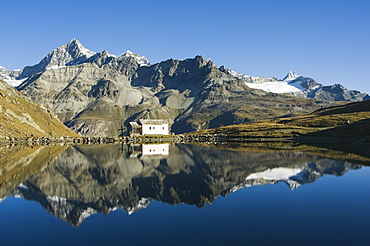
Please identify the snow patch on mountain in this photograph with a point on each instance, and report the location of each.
(277, 87)
(12, 81)
(54, 67)
(289, 84)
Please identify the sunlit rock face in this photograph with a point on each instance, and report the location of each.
(88, 179)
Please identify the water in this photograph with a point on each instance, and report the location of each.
(180, 195)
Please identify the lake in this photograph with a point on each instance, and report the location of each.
(180, 194)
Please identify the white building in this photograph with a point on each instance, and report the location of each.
(149, 127)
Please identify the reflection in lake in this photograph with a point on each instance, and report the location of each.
(84, 180)
(237, 197)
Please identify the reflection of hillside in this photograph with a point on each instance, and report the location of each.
(18, 162)
(89, 179)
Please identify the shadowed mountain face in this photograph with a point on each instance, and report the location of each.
(87, 179)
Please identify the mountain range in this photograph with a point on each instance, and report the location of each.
(95, 94)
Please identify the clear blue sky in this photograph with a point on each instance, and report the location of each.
(328, 40)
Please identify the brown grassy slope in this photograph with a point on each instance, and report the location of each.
(333, 116)
(318, 123)
(341, 132)
(19, 117)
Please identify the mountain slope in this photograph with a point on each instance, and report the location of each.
(20, 117)
(345, 121)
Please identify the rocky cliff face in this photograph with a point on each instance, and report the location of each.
(89, 179)
(96, 95)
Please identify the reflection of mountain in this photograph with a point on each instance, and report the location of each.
(297, 175)
(89, 179)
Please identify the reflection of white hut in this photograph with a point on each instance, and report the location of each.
(155, 149)
(149, 150)
(148, 127)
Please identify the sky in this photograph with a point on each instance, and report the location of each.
(328, 40)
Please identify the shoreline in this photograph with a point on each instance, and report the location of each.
(354, 150)
(188, 138)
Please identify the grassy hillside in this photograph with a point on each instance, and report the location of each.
(349, 121)
(20, 117)
(341, 132)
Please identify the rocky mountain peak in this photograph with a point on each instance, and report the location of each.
(142, 60)
(105, 53)
(76, 49)
(66, 54)
(69, 54)
(290, 76)
(128, 53)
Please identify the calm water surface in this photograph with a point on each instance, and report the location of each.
(180, 195)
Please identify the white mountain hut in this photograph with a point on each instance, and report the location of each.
(148, 127)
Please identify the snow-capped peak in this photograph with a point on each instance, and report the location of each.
(69, 53)
(74, 44)
(143, 61)
(290, 76)
(127, 53)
